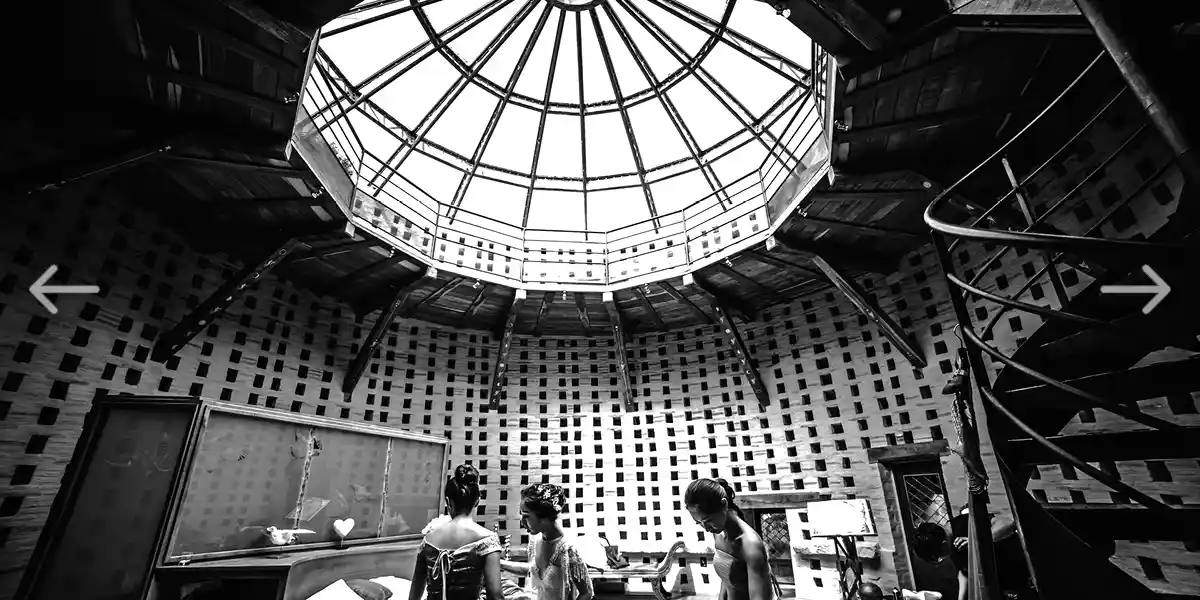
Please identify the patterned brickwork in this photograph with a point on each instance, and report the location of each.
(838, 387)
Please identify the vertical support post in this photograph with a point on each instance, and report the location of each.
(1141, 49)
(618, 328)
(503, 349)
(388, 314)
(1060, 290)
(725, 321)
(981, 554)
(174, 340)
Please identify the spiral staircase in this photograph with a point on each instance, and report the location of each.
(1088, 351)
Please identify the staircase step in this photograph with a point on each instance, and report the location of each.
(1098, 349)
(1060, 557)
(1149, 444)
(1127, 521)
(1141, 383)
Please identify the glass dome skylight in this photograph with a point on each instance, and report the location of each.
(593, 128)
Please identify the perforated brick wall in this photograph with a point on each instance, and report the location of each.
(837, 387)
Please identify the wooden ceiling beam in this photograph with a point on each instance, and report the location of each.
(437, 294)
(869, 309)
(275, 27)
(625, 382)
(856, 21)
(649, 308)
(389, 313)
(178, 16)
(934, 67)
(215, 163)
(547, 298)
(582, 310)
(504, 347)
(706, 289)
(348, 280)
(846, 255)
(747, 281)
(725, 321)
(861, 226)
(862, 197)
(775, 261)
(124, 155)
(682, 299)
(469, 314)
(174, 339)
(340, 247)
(210, 88)
(922, 122)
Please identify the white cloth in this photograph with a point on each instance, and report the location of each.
(337, 590)
(399, 587)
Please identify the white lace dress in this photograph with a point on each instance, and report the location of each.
(565, 576)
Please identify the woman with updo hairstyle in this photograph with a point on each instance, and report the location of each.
(458, 557)
(555, 566)
(741, 556)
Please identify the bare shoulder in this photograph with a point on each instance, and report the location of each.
(748, 544)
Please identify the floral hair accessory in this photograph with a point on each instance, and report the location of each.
(547, 494)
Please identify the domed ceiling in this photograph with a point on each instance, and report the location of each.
(579, 119)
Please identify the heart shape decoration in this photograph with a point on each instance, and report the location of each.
(343, 526)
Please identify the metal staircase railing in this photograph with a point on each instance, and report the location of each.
(1054, 247)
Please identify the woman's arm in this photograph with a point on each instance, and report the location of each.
(417, 589)
(518, 568)
(577, 570)
(491, 576)
(757, 570)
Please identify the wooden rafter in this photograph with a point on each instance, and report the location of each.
(394, 309)
(334, 249)
(177, 15)
(581, 308)
(468, 314)
(869, 309)
(748, 281)
(847, 255)
(278, 28)
(625, 378)
(503, 348)
(169, 343)
(230, 165)
(856, 21)
(860, 226)
(683, 299)
(725, 321)
(547, 298)
(865, 196)
(775, 261)
(210, 88)
(124, 155)
(437, 294)
(349, 280)
(921, 122)
(649, 308)
(740, 310)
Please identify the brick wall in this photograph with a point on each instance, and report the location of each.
(837, 386)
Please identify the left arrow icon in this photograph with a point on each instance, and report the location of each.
(39, 289)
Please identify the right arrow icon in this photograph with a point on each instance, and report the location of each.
(1160, 289)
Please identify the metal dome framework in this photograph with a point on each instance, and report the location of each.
(630, 140)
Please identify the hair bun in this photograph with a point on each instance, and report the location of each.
(728, 488)
(466, 475)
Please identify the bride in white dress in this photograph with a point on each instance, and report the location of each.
(555, 567)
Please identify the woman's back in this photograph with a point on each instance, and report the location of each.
(454, 554)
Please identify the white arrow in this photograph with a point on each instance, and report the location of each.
(39, 289)
(1160, 289)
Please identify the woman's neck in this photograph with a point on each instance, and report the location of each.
(553, 532)
(733, 525)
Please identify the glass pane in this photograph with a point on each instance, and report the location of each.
(416, 476)
(109, 537)
(926, 499)
(246, 477)
(345, 481)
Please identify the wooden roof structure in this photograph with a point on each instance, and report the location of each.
(190, 106)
